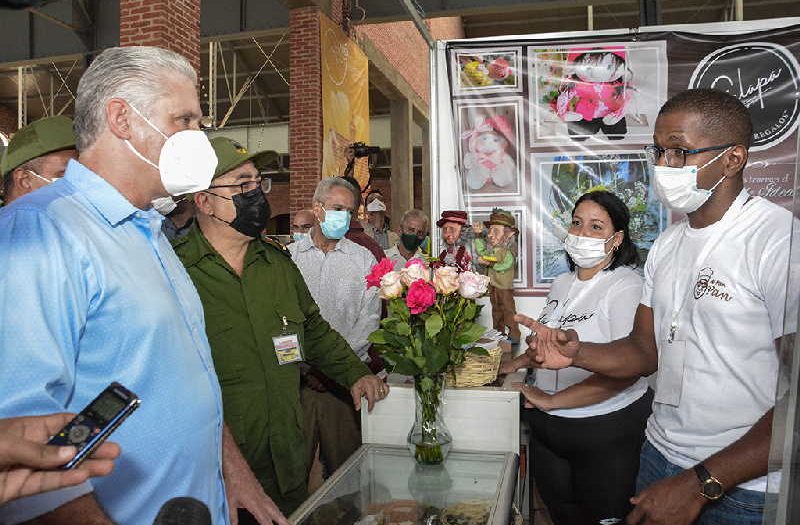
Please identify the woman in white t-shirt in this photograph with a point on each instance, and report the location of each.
(587, 430)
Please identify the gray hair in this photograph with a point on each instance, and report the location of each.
(415, 214)
(133, 73)
(325, 186)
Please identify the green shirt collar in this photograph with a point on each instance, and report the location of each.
(196, 248)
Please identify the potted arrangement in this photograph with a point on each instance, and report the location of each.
(429, 329)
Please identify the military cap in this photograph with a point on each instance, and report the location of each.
(231, 155)
(36, 139)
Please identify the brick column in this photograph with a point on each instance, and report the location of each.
(402, 180)
(171, 24)
(305, 106)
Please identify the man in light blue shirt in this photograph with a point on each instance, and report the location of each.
(91, 292)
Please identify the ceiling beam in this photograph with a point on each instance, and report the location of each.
(379, 11)
(54, 20)
(417, 15)
(280, 119)
(243, 35)
(246, 42)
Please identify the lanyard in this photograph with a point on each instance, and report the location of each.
(726, 224)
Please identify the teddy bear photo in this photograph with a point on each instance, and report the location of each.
(595, 93)
(487, 160)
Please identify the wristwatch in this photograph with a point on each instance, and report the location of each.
(710, 487)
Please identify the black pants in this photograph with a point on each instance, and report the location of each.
(585, 468)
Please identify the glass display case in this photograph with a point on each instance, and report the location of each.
(383, 485)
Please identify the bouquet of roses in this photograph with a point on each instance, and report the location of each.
(431, 322)
(429, 329)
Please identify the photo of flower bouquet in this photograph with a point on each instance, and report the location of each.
(430, 328)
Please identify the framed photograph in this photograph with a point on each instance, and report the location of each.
(476, 71)
(604, 93)
(480, 214)
(490, 148)
(562, 178)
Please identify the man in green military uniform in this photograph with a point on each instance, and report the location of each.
(36, 155)
(256, 300)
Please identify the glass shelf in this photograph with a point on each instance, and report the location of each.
(383, 485)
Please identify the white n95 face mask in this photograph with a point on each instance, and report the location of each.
(187, 160)
(164, 205)
(586, 252)
(677, 188)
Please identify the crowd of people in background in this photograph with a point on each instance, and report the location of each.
(147, 263)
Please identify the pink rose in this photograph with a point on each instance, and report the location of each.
(414, 270)
(391, 286)
(445, 280)
(378, 271)
(415, 261)
(472, 285)
(421, 296)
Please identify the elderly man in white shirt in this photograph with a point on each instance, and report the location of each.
(334, 269)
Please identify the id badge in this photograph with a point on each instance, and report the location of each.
(671, 362)
(287, 346)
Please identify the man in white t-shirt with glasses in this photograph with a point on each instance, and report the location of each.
(710, 321)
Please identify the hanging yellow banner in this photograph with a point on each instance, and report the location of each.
(345, 100)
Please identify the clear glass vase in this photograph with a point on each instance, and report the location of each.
(429, 440)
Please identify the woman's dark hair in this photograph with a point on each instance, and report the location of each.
(626, 253)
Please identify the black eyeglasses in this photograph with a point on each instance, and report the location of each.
(265, 183)
(676, 157)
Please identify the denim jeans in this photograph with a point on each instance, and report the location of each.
(737, 506)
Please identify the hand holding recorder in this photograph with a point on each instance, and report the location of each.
(28, 466)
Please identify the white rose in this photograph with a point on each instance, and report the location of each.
(413, 273)
(391, 286)
(472, 285)
(445, 280)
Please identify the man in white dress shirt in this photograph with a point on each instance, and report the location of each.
(334, 269)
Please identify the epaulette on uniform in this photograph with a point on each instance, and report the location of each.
(179, 242)
(269, 241)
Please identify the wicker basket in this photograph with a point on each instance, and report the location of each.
(477, 370)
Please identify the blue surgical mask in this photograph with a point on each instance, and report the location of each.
(336, 223)
(299, 236)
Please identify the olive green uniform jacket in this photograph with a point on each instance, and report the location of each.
(261, 399)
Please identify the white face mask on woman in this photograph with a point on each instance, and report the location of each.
(677, 188)
(187, 160)
(586, 252)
